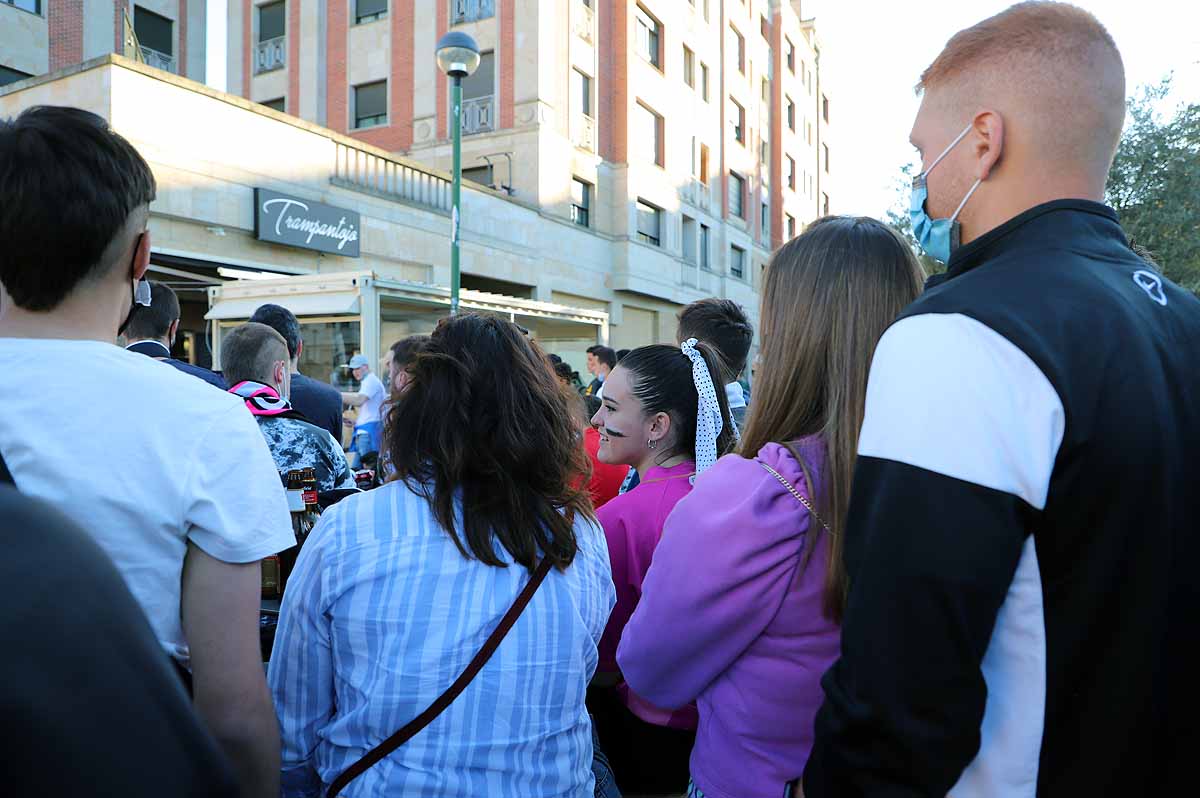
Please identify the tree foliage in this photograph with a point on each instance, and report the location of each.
(1155, 183)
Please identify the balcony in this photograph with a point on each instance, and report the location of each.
(471, 10)
(158, 60)
(479, 115)
(362, 170)
(697, 194)
(583, 132)
(270, 55)
(583, 21)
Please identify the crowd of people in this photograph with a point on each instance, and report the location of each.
(945, 547)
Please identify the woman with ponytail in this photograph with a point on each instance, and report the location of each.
(662, 414)
(741, 609)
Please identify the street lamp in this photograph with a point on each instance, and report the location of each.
(457, 56)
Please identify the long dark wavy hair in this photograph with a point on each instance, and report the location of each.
(661, 380)
(484, 418)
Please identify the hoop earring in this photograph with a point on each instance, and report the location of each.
(651, 444)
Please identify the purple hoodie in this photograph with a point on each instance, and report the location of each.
(729, 619)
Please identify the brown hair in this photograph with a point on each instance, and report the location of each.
(249, 351)
(722, 324)
(828, 296)
(484, 419)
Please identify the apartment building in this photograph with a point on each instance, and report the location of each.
(691, 136)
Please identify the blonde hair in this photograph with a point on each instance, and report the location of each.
(828, 296)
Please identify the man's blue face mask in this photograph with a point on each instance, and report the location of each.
(936, 237)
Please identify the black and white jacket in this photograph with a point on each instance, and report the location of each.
(1022, 544)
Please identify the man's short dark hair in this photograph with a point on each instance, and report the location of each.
(154, 321)
(248, 352)
(591, 350)
(68, 184)
(607, 356)
(405, 350)
(722, 324)
(282, 321)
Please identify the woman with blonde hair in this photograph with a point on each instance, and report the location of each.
(741, 607)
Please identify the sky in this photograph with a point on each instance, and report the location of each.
(874, 50)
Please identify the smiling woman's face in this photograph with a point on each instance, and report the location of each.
(624, 427)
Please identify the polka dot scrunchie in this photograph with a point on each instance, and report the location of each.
(708, 418)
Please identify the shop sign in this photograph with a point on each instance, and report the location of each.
(296, 222)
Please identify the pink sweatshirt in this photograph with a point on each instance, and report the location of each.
(729, 619)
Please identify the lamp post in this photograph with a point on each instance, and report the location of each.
(457, 57)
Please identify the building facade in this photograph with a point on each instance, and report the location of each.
(679, 141)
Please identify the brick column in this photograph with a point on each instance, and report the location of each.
(65, 20)
(247, 46)
(336, 90)
(403, 72)
(614, 82)
(777, 131)
(508, 65)
(181, 62)
(119, 9)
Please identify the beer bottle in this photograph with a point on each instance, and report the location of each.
(309, 481)
(295, 491)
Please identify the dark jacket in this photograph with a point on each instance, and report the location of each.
(156, 350)
(1022, 538)
(319, 403)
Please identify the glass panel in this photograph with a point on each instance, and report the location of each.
(153, 31)
(481, 82)
(736, 189)
(648, 223)
(277, 104)
(478, 174)
(370, 10)
(370, 104)
(328, 347)
(399, 319)
(689, 67)
(736, 267)
(581, 92)
(271, 21)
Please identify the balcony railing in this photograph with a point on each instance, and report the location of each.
(365, 171)
(584, 21)
(270, 55)
(158, 60)
(696, 193)
(479, 114)
(471, 10)
(583, 132)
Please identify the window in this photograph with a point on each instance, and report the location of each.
(737, 191)
(808, 132)
(705, 235)
(737, 118)
(278, 104)
(825, 148)
(581, 92)
(479, 174)
(649, 32)
(791, 114)
(649, 130)
(706, 10)
(704, 164)
(791, 172)
(824, 107)
(765, 221)
(810, 83)
(764, 27)
(482, 82)
(766, 91)
(790, 49)
(153, 31)
(762, 151)
(739, 47)
(35, 7)
(689, 239)
(689, 67)
(8, 75)
(581, 202)
(824, 204)
(737, 262)
(369, 10)
(370, 104)
(271, 22)
(649, 220)
(803, 79)
(704, 81)
(791, 225)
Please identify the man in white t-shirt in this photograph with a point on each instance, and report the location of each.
(368, 429)
(171, 478)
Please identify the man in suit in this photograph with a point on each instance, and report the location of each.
(152, 330)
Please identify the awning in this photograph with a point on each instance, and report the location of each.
(330, 304)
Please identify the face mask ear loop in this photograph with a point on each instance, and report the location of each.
(962, 204)
(946, 151)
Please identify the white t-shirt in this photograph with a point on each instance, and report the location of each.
(372, 388)
(145, 458)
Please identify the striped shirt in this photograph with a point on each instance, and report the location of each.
(382, 613)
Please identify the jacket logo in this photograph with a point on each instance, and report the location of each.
(1151, 283)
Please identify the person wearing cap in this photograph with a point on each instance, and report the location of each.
(662, 413)
(368, 429)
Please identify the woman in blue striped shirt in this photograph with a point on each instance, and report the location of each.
(398, 588)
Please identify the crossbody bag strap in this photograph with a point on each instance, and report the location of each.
(445, 699)
(800, 497)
